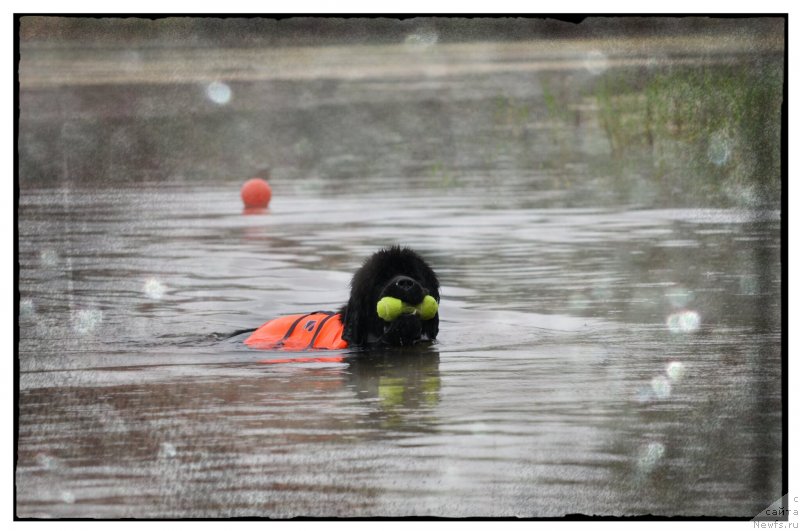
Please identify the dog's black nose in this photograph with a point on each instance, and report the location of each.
(405, 283)
(404, 288)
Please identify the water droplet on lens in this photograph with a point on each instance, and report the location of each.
(719, 148)
(596, 62)
(27, 308)
(644, 395)
(47, 462)
(686, 321)
(168, 450)
(85, 321)
(602, 292)
(748, 285)
(48, 258)
(219, 92)
(675, 370)
(661, 387)
(422, 39)
(650, 455)
(153, 288)
(578, 302)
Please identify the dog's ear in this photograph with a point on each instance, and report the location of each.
(354, 328)
(359, 313)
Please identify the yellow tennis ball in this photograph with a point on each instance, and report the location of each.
(389, 308)
(427, 308)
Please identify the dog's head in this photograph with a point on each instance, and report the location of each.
(395, 272)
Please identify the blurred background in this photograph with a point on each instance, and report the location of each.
(680, 110)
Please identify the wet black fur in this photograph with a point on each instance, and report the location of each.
(376, 279)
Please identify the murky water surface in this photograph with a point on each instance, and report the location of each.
(601, 351)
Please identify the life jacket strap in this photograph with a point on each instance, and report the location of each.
(297, 321)
(319, 328)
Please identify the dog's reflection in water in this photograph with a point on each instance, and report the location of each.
(398, 380)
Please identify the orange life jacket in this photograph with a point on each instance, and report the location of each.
(321, 330)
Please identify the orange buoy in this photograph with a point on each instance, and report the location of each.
(256, 193)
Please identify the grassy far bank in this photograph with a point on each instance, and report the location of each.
(707, 130)
(722, 123)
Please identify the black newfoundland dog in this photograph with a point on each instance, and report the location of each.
(394, 272)
(394, 301)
